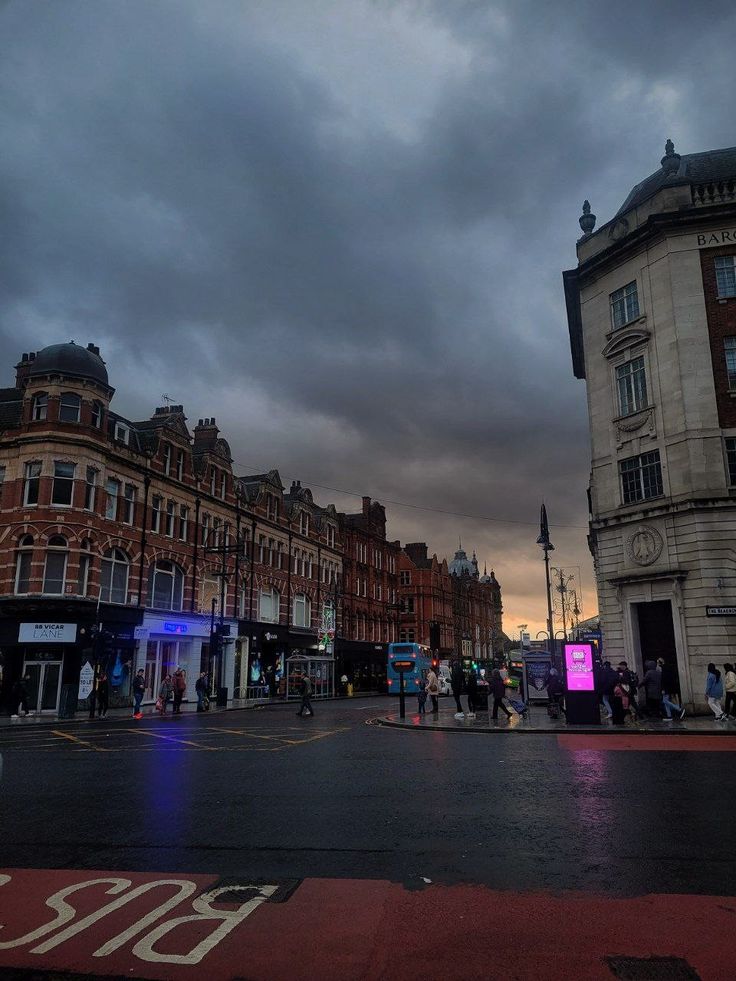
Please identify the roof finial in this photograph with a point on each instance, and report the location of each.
(671, 160)
(460, 543)
(586, 220)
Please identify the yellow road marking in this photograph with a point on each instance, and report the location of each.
(254, 735)
(75, 739)
(171, 739)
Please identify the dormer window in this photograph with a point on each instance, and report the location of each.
(122, 433)
(303, 523)
(330, 536)
(40, 407)
(167, 458)
(180, 465)
(223, 485)
(272, 507)
(69, 407)
(213, 480)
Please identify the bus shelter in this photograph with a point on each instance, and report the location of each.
(320, 670)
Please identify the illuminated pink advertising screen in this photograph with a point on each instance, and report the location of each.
(579, 667)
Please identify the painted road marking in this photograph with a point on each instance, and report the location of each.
(160, 926)
(75, 739)
(647, 744)
(171, 739)
(254, 735)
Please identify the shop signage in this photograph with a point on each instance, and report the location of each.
(268, 636)
(175, 628)
(43, 633)
(141, 633)
(86, 681)
(720, 611)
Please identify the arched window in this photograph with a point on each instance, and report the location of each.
(40, 407)
(54, 572)
(24, 558)
(114, 576)
(85, 563)
(302, 611)
(69, 407)
(166, 586)
(269, 606)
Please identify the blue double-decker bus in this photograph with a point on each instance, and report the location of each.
(421, 658)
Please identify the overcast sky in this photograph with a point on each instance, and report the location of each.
(339, 227)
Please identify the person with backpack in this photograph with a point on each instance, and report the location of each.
(714, 692)
(729, 680)
(306, 706)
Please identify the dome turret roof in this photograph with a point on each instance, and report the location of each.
(462, 565)
(71, 360)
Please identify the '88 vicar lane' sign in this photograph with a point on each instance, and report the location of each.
(47, 633)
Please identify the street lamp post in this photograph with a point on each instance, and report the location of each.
(220, 544)
(544, 543)
(521, 628)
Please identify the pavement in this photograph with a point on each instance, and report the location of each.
(260, 845)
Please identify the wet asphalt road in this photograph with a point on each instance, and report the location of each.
(266, 794)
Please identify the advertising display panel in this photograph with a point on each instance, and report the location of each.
(579, 667)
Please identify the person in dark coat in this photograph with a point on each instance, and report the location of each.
(457, 680)
(620, 699)
(103, 696)
(306, 706)
(200, 687)
(180, 687)
(652, 685)
(498, 692)
(139, 690)
(472, 694)
(609, 680)
(20, 697)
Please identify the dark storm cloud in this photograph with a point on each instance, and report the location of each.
(340, 228)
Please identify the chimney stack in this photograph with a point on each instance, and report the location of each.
(22, 369)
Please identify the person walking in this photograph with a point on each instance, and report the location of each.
(729, 680)
(139, 690)
(103, 696)
(180, 687)
(200, 687)
(652, 685)
(609, 680)
(714, 692)
(306, 706)
(457, 680)
(433, 690)
(498, 691)
(667, 704)
(164, 694)
(631, 678)
(620, 699)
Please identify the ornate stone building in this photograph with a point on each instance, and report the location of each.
(122, 530)
(450, 608)
(652, 317)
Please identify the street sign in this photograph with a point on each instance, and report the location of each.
(86, 681)
(720, 611)
(140, 633)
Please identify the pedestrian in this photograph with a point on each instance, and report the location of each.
(344, 683)
(271, 682)
(631, 678)
(472, 694)
(609, 680)
(421, 699)
(729, 680)
(20, 697)
(498, 690)
(306, 706)
(555, 691)
(457, 679)
(670, 678)
(620, 699)
(92, 697)
(714, 692)
(139, 690)
(667, 704)
(200, 688)
(652, 685)
(433, 690)
(103, 696)
(164, 694)
(180, 687)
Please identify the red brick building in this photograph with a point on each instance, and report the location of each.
(369, 596)
(141, 533)
(450, 608)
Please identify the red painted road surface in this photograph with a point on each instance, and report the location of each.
(649, 743)
(173, 926)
